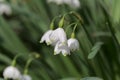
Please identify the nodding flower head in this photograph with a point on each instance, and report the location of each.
(61, 48)
(73, 3)
(73, 44)
(26, 77)
(46, 37)
(5, 9)
(58, 35)
(11, 73)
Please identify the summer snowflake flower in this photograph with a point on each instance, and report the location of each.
(11, 73)
(26, 77)
(73, 3)
(5, 9)
(73, 44)
(46, 37)
(58, 35)
(61, 48)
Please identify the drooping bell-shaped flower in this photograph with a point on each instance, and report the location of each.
(73, 3)
(73, 44)
(58, 35)
(61, 48)
(11, 72)
(26, 77)
(5, 9)
(46, 37)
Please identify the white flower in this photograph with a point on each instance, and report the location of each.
(11, 73)
(53, 36)
(46, 37)
(61, 48)
(58, 35)
(73, 3)
(26, 77)
(73, 44)
(5, 9)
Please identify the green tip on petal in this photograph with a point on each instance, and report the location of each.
(65, 54)
(41, 41)
(48, 43)
(63, 43)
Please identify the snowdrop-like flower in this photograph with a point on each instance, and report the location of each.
(46, 37)
(26, 77)
(58, 35)
(5, 9)
(60, 48)
(73, 44)
(73, 3)
(11, 73)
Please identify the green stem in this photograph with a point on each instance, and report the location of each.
(75, 28)
(69, 26)
(52, 23)
(14, 60)
(77, 16)
(27, 65)
(61, 22)
(73, 33)
(82, 25)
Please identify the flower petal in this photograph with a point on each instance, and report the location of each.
(46, 37)
(57, 50)
(63, 48)
(58, 35)
(73, 44)
(11, 72)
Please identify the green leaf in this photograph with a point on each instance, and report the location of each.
(5, 58)
(95, 50)
(91, 78)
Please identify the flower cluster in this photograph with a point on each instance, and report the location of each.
(5, 8)
(58, 39)
(12, 72)
(72, 3)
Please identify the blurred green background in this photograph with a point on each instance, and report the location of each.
(21, 32)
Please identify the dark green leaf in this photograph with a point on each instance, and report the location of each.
(95, 50)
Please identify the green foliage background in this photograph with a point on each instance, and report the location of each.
(20, 34)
